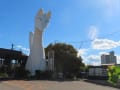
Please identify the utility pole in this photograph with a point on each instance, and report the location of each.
(51, 60)
(12, 46)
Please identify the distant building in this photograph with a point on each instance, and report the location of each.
(108, 59)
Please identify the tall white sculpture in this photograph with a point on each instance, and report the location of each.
(36, 59)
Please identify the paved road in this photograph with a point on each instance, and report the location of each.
(51, 85)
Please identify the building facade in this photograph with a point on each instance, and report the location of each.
(108, 59)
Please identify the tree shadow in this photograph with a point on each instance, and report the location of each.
(35, 79)
(56, 80)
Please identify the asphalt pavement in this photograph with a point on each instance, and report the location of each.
(51, 85)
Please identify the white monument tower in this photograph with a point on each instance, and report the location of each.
(36, 59)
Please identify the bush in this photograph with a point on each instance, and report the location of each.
(3, 75)
(114, 78)
(21, 72)
(43, 74)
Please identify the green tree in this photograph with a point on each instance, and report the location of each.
(66, 59)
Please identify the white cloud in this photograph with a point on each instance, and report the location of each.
(106, 53)
(104, 44)
(93, 57)
(25, 50)
(92, 60)
(81, 52)
(96, 59)
(93, 32)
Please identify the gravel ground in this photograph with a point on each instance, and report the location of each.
(51, 85)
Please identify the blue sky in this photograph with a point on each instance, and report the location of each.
(91, 26)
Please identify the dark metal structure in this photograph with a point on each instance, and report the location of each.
(7, 55)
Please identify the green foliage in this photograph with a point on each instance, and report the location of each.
(114, 78)
(3, 75)
(66, 59)
(43, 74)
(114, 74)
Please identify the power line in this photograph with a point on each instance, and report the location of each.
(82, 42)
(110, 34)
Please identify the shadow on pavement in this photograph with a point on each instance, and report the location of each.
(33, 79)
(101, 82)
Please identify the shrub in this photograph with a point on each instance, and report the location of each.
(43, 74)
(21, 72)
(3, 75)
